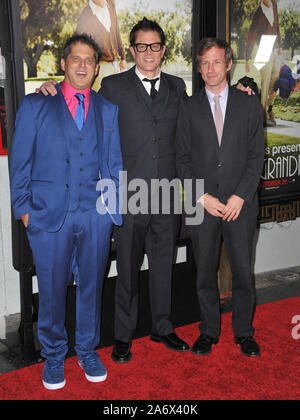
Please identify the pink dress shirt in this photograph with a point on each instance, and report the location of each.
(69, 94)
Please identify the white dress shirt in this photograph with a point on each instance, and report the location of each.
(147, 85)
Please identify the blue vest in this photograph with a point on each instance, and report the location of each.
(84, 161)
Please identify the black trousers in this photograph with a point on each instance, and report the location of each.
(155, 234)
(238, 241)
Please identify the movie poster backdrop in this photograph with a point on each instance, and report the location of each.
(46, 26)
(270, 57)
(265, 37)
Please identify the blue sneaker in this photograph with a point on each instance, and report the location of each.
(93, 367)
(53, 374)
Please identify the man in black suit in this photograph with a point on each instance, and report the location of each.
(220, 139)
(148, 101)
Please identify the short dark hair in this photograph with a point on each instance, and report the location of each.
(147, 25)
(83, 39)
(207, 43)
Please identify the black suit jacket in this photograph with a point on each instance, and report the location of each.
(236, 166)
(147, 140)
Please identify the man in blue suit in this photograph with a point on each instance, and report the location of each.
(66, 148)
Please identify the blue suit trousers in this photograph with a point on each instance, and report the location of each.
(80, 246)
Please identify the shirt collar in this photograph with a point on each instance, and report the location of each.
(69, 91)
(142, 76)
(223, 94)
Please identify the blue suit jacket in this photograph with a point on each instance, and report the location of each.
(39, 169)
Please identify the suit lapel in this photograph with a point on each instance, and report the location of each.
(96, 108)
(230, 117)
(61, 112)
(164, 85)
(133, 90)
(206, 120)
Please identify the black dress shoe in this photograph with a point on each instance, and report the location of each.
(172, 341)
(203, 344)
(121, 352)
(248, 345)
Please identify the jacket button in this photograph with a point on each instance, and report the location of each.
(68, 160)
(67, 185)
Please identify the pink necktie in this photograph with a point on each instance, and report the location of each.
(218, 118)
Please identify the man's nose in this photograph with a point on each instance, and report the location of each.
(148, 50)
(210, 67)
(82, 63)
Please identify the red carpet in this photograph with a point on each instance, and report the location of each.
(156, 373)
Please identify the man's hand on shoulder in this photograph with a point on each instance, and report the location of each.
(47, 87)
(245, 89)
(25, 219)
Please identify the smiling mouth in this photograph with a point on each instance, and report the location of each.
(81, 73)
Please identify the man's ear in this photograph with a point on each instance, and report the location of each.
(97, 68)
(229, 65)
(131, 49)
(163, 51)
(62, 64)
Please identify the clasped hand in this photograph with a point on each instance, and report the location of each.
(229, 211)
